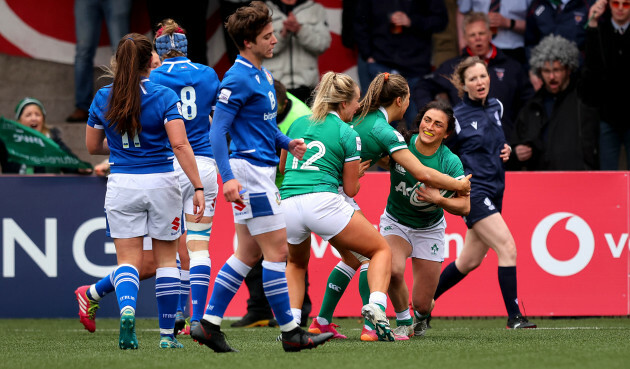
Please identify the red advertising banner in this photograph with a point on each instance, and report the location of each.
(571, 230)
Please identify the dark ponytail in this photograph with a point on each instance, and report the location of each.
(133, 58)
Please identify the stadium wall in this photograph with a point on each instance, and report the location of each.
(571, 231)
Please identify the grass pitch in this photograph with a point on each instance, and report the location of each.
(459, 343)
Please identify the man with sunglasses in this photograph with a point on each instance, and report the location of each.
(607, 76)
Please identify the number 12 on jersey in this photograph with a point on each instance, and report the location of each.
(321, 150)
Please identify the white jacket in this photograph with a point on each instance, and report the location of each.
(294, 61)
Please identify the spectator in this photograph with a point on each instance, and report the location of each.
(607, 77)
(556, 130)
(565, 18)
(508, 79)
(88, 16)
(30, 112)
(395, 37)
(302, 33)
(507, 23)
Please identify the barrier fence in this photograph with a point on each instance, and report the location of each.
(571, 230)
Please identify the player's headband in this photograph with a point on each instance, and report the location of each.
(168, 42)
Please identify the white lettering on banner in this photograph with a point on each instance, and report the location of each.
(79, 244)
(459, 244)
(12, 234)
(616, 248)
(552, 265)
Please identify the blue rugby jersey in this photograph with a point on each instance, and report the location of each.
(197, 86)
(249, 95)
(478, 142)
(149, 151)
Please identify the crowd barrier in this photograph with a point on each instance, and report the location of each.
(571, 231)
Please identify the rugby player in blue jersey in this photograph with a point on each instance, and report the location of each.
(197, 86)
(247, 109)
(134, 120)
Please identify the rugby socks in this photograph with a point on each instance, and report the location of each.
(101, 288)
(335, 287)
(364, 290)
(184, 289)
(297, 315)
(127, 283)
(226, 284)
(167, 287)
(403, 318)
(379, 298)
(507, 282)
(277, 293)
(199, 281)
(450, 276)
(420, 317)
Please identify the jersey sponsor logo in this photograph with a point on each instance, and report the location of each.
(400, 137)
(474, 124)
(358, 143)
(257, 78)
(224, 96)
(269, 77)
(269, 116)
(239, 206)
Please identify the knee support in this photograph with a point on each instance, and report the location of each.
(198, 231)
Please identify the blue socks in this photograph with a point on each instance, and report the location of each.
(199, 281)
(167, 293)
(226, 284)
(184, 289)
(101, 288)
(127, 283)
(277, 292)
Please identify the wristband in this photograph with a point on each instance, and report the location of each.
(512, 23)
(199, 189)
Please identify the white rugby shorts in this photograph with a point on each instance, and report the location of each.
(144, 204)
(427, 244)
(208, 172)
(261, 210)
(324, 213)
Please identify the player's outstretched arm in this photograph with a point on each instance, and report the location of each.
(428, 175)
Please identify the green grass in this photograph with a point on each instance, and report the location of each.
(458, 343)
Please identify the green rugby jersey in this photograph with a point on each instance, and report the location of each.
(330, 144)
(378, 138)
(403, 204)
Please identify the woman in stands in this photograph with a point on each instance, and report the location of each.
(134, 120)
(481, 145)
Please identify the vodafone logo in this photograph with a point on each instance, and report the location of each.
(563, 268)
